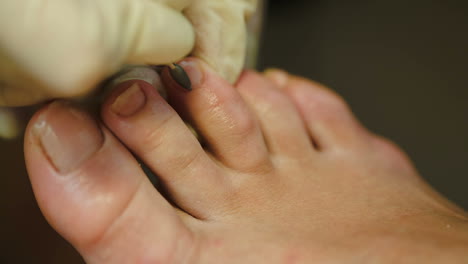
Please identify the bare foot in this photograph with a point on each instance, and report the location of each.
(284, 174)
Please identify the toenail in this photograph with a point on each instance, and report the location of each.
(279, 77)
(67, 136)
(179, 75)
(130, 101)
(194, 71)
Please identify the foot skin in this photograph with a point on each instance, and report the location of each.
(284, 174)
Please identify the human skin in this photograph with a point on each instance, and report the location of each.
(284, 173)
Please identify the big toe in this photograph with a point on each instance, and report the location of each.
(94, 193)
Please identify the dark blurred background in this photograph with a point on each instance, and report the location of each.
(402, 66)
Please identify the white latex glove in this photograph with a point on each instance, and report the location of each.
(63, 48)
(220, 26)
(9, 125)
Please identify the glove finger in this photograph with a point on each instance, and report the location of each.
(165, 36)
(9, 124)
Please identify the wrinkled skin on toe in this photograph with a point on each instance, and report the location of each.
(282, 172)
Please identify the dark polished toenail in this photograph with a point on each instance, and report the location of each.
(180, 76)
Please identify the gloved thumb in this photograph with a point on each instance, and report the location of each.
(64, 48)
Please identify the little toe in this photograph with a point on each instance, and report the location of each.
(147, 125)
(221, 117)
(284, 131)
(94, 193)
(327, 116)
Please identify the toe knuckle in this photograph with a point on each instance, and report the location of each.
(277, 99)
(153, 138)
(318, 96)
(326, 99)
(220, 99)
(243, 126)
(152, 142)
(328, 106)
(391, 153)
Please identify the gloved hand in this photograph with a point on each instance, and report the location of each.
(220, 27)
(64, 48)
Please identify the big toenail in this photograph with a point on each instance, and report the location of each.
(67, 136)
(130, 101)
(194, 71)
